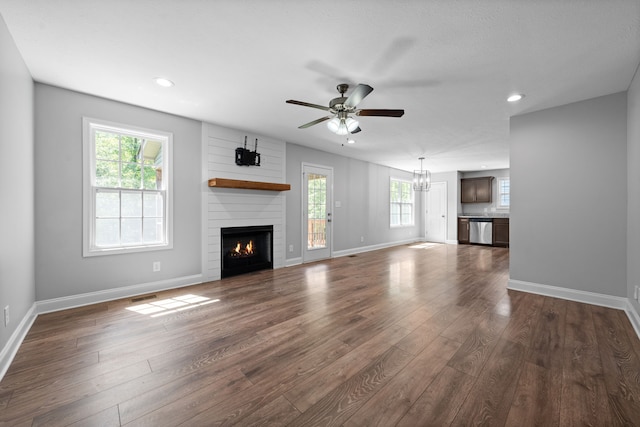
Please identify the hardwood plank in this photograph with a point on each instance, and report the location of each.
(395, 398)
(621, 362)
(311, 390)
(548, 335)
(342, 402)
(107, 418)
(524, 318)
(537, 398)
(584, 394)
(490, 398)
(474, 352)
(179, 401)
(278, 412)
(441, 400)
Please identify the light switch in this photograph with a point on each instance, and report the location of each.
(338, 204)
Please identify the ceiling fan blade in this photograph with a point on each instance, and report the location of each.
(315, 122)
(358, 94)
(306, 104)
(381, 113)
(356, 130)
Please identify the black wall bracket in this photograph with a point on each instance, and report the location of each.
(246, 157)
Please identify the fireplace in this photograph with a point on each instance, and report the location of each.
(246, 249)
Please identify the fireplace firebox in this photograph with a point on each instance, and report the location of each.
(246, 249)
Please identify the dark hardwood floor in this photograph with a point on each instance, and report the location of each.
(402, 336)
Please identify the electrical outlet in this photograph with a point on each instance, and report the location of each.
(290, 248)
(636, 293)
(361, 239)
(6, 316)
(156, 266)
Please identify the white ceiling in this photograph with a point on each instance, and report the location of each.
(449, 64)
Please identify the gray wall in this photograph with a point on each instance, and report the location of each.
(633, 189)
(569, 196)
(17, 283)
(362, 188)
(60, 268)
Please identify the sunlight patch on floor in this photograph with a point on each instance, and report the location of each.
(425, 245)
(171, 305)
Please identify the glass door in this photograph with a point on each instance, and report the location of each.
(316, 212)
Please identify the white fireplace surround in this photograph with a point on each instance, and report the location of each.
(229, 207)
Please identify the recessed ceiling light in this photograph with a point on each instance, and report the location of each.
(515, 97)
(483, 166)
(161, 81)
(351, 141)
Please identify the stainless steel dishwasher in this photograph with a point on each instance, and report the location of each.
(481, 231)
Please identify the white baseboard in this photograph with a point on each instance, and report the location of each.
(290, 262)
(352, 251)
(451, 242)
(602, 300)
(633, 316)
(370, 248)
(11, 348)
(57, 304)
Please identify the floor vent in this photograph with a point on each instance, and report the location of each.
(142, 298)
(352, 256)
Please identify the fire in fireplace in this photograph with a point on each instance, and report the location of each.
(246, 249)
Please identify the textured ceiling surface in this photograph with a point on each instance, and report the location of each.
(449, 64)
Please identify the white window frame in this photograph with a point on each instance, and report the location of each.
(89, 126)
(413, 204)
(500, 193)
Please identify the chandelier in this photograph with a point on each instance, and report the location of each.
(421, 178)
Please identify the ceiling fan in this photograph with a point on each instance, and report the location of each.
(342, 108)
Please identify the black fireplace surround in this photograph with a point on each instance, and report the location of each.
(246, 249)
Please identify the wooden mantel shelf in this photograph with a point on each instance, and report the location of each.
(248, 185)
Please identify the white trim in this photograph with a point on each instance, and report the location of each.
(89, 125)
(346, 252)
(73, 301)
(603, 300)
(499, 203)
(451, 242)
(292, 261)
(619, 303)
(370, 248)
(633, 316)
(413, 204)
(9, 351)
(303, 207)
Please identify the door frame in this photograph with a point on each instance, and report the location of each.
(445, 196)
(303, 208)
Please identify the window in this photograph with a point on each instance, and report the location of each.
(401, 202)
(127, 188)
(504, 189)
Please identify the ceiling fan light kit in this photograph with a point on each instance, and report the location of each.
(343, 107)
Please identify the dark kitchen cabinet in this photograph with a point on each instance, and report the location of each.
(463, 231)
(476, 190)
(501, 232)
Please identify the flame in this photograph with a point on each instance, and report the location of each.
(240, 251)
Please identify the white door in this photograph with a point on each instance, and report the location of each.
(436, 222)
(317, 186)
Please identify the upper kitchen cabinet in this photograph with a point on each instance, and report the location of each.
(476, 190)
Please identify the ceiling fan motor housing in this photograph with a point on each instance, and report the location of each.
(337, 104)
